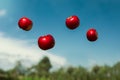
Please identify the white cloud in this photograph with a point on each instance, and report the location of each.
(92, 62)
(2, 12)
(12, 50)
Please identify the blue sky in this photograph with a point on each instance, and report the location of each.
(49, 16)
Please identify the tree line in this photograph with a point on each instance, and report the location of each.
(41, 71)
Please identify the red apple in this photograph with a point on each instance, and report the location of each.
(72, 22)
(92, 34)
(25, 23)
(46, 42)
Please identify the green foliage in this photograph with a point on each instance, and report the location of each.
(43, 67)
(41, 71)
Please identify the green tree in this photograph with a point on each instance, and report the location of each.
(116, 71)
(43, 67)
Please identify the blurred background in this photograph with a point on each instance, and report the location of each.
(73, 57)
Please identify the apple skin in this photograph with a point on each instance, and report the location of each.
(72, 22)
(46, 42)
(25, 23)
(92, 35)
